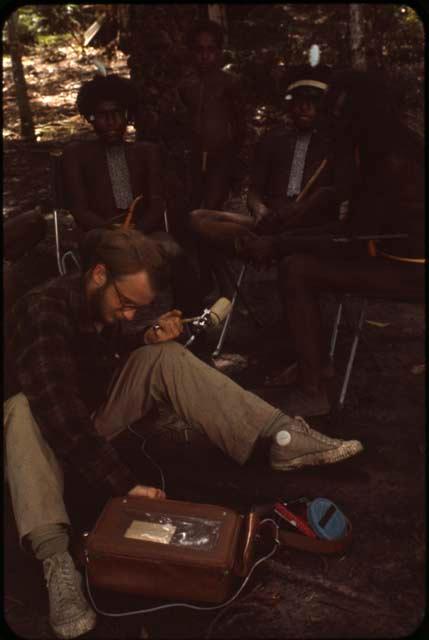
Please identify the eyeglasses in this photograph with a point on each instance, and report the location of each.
(126, 303)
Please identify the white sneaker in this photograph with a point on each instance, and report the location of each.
(70, 615)
(309, 448)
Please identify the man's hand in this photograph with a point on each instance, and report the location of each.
(168, 327)
(140, 491)
(260, 211)
(255, 249)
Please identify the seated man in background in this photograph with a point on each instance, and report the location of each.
(291, 159)
(386, 197)
(104, 177)
(83, 381)
(291, 178)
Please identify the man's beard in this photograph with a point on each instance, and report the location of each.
(96, 304)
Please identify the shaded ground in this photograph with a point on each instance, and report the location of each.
(377, 588)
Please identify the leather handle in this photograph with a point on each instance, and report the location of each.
(245, 558)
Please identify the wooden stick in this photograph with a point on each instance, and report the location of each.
(312, 180)
(130, 213)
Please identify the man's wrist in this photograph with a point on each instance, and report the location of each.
(151, 334)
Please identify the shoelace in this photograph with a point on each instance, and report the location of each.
(307, 430)
(66, 580)
(305, 427)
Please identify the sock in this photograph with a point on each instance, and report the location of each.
(48, 540)
(280, 422)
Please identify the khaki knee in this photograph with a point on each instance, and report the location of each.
(153, 352)
(17, 412)
(22, 437)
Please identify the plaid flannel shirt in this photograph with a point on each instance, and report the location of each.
(63, 367)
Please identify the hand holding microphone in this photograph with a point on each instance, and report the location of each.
(170, 325)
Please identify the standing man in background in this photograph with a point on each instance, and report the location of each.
(214, 101)
(215, 105)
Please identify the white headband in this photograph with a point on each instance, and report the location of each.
(308, 83)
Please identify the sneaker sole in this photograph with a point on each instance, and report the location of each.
(76, 628)
(344, 451)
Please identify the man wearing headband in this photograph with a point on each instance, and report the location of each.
(290, 184)
(382, 249)
(83, 381)
(291, 159)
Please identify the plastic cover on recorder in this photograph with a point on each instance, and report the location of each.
(184, 531)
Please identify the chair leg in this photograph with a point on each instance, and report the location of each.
(219, 345)
(335, 328)
(166, 221)
(352, 356)
(364, 342)
(61, 269)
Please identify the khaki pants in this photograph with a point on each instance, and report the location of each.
(156, 375)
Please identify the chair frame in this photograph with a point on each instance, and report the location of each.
(67, 255)
(353, 349)
(222, 336)
(63, 257)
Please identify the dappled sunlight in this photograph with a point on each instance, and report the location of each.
(52, 90)
(53, 80)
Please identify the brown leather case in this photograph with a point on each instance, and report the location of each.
(180, 570)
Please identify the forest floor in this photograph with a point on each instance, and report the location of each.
(374, 590)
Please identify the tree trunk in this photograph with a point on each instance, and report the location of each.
(27, 125)
(217, 13)
(357, 44)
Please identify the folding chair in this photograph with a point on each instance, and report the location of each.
(59, 205)
(222, 336)
(356, 336)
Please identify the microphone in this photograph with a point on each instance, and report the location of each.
(210, 318)
(217, 313)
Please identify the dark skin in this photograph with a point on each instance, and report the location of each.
(303, 113)
(392, 198)
(87, 180)
(91, 200)
(213, 98)
(214, 101)
(215, 106)
(231, 232)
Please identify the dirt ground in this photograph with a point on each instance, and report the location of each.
(377, 588)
